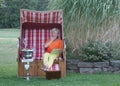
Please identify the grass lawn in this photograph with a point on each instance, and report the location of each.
(8, 69)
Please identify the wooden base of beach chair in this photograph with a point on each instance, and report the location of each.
(22, 72)
(35, 69)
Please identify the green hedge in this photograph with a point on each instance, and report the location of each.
(94, 51)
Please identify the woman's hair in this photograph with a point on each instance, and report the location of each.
(58, 32)
(55, 29)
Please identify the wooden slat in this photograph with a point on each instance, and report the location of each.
(21, 70)
(31, 69)
(62, 68)
(40, 72)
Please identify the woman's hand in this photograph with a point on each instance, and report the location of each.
(52, 39)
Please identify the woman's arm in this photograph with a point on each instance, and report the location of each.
(48, 43)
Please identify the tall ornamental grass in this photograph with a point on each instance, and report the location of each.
(89, 20)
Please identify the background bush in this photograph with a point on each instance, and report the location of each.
(97, 51)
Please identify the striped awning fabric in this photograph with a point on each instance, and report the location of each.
(41, 16)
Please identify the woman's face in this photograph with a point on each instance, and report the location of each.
(55, 34)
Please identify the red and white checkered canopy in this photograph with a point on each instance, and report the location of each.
(36, 29)
(41, 16)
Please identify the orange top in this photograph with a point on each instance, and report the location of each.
(56, 44)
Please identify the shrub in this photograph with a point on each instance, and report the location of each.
(95, 51)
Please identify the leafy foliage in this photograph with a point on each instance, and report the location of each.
(97, 51)
(1, 1)
(41, 4)
(10, 11)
